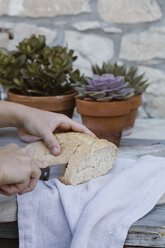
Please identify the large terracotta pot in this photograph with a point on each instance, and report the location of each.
(61, 104)
(105, 119)
(135, 102)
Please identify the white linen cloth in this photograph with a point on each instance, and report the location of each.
(97, 214)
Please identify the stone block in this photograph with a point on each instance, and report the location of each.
(47, 8)
(90, 48)
(154, 96)
(145, 45)
(4, 7)
(129, 11)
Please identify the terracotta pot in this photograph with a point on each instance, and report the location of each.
(61, 104)
(135, 102)
(105, 119)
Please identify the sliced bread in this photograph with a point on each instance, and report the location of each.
(87, 157)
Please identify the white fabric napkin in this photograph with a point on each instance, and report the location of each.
(97, 214)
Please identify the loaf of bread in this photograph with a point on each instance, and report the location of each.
(87, 157)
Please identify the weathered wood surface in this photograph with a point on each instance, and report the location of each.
(8, 208)
(8, 230)
(152, 147)
(141, 150)
(138, 142)
(147, 232)
(9, 243)
(150, 230)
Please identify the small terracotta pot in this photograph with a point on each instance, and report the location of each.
(135, 102)
(61, 104)
(105, 119)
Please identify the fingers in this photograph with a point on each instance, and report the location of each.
(65, 123)
(78, 127)
(28, 185)
(13, 189)
(31, 186)
(51, 141)
(35, 175)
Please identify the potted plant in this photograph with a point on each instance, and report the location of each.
(136, 81)
(40, 76)
(103, 104)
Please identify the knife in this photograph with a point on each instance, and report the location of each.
(53, 171)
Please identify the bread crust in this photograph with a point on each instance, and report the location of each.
(80, 152)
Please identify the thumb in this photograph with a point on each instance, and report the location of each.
(51, 142)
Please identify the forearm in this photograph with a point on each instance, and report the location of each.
(10, 114)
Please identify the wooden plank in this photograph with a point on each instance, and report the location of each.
(136, 142)
(140, 150)
(156, 217)
(8, 230)
(146, 236)
(148, 231)
(8, 208)
(137, 246)
(138, 236)
(9, 243)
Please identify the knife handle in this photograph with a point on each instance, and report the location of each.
(45, 172)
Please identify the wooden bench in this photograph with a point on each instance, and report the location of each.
(147, 232)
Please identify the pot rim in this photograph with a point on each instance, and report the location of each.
(49, 103)
(103, 109)
(41, 97)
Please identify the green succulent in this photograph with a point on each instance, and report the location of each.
(136, 81)
(39, 70)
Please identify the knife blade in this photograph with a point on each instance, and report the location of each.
(53, 171)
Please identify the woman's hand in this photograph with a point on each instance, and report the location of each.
(41, 125)
(38, 124)
(19, 173)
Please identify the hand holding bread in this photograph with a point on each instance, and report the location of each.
(38, 124)
(87, 156)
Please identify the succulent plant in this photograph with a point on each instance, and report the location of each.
(37, 69)
(104, 88)
(136, 81)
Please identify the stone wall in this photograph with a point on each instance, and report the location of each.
(132, 31)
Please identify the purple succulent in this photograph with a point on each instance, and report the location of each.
(105, 88)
